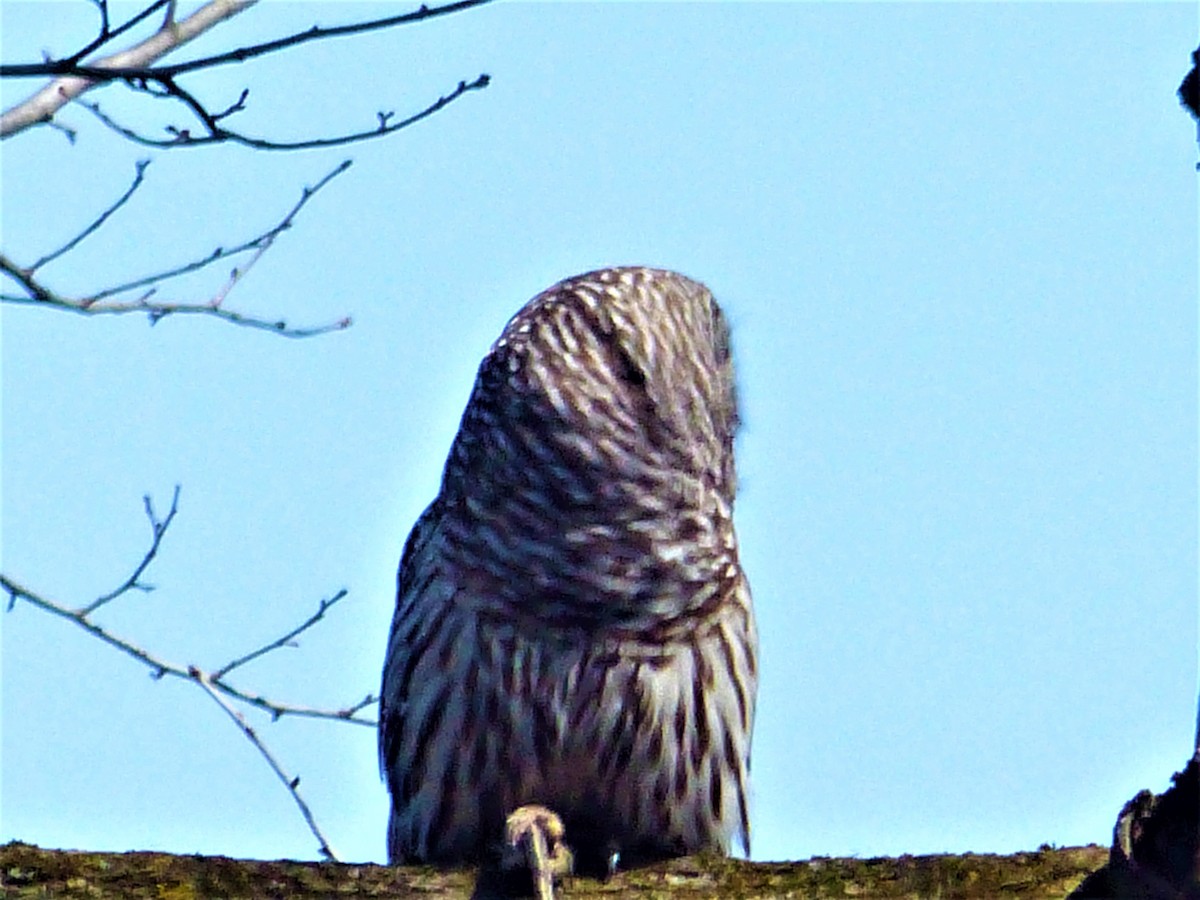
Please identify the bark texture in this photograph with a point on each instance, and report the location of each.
(27, 871)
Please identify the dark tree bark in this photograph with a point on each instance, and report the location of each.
(1155, 852)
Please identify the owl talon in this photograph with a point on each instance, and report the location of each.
(533, 839)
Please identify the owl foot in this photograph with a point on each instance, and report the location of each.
(533, 839)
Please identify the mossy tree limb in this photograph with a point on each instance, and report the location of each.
(27, 871)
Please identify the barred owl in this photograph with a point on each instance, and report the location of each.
(573, 627)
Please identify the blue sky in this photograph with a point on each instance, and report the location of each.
(958, 245)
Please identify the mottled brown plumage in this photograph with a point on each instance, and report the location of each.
(573, 627)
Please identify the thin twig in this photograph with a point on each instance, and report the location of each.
(239, 272)
(285, 641)
(291, 783)
(158, 528)
(107, 34)
(159, 311)
(100, 220)
(217, 134)
(43, 105)
(136, 68)
(66, 130)
(160, 668)
(71, 66)
(38, 294)
(102, 5)
(256, 243)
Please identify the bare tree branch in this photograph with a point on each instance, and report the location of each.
(106, 71)
(45, 103)
(100, 220)
(291, 783)
(217, 134)
(39, 294)
(107, 34)
(213, 684)
(1048, 873)
(285, 641)
(158, 527)
(159, 667)
(133, 67)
